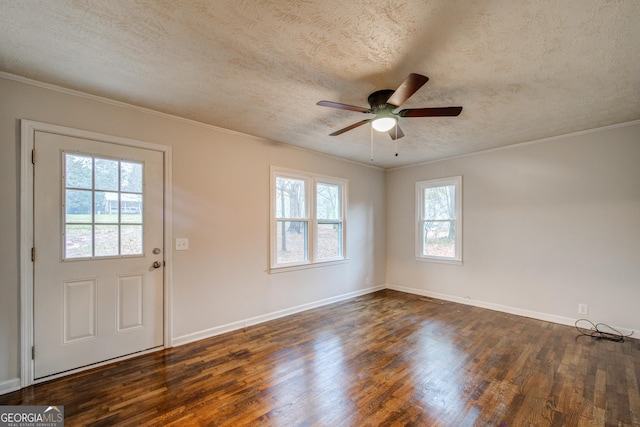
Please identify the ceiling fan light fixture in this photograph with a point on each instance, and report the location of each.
(384, 124)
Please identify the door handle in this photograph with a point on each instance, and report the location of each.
(157, 264)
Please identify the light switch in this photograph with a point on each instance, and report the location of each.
(182, 244)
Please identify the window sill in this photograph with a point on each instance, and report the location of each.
(440, 260)
(275, 270)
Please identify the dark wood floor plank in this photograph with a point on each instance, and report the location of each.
(384, 359)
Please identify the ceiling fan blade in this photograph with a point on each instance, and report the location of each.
(408, 87)
(353, 126)
(343, 106)
(392, 133)
(430, 112)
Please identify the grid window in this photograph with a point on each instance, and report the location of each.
(102, 207)
(307, 220)
(439, 220)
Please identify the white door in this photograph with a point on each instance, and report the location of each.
(98, 237)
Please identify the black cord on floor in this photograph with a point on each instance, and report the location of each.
(596, 331)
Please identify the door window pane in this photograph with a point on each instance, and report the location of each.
(106, 174)
(131, 177)
(78, 171)
(106, 207)
(78, 240)
(78, 206)
(106, 238)
(131, 208)
(131, 239)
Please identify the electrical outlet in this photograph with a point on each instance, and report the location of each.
(583, 309)
(182, 244)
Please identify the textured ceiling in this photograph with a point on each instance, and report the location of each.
(522, 69)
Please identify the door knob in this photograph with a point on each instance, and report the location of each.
(157, 264)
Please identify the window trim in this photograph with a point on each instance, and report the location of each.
(419, 238)
(311, 180)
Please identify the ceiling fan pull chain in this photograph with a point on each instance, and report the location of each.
(372, 143)
(396, 140)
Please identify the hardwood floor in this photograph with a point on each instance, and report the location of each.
(386, 358)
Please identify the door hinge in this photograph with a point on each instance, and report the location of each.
(33, 156)
(33, 352)
(33, 254)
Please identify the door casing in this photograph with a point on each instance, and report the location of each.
(28, 129)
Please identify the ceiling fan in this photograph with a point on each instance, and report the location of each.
(384, 102)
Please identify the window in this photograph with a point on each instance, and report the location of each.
(307, 218)
(439, 220)
(102, 207)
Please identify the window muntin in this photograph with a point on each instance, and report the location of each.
(307, 220)
(102, 207)
(439, 219)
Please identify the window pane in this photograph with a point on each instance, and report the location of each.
(329, 241)
(131, 208)
(106, 240)
(131, 177)
(131, 240)
(328, 201)
(106, 174)
(290, 198)
(440, 202)
(78, 241)
(78, 206)
(439, 239)
(78, 171)
(106, 206)
(291, 241)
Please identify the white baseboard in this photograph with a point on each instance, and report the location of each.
(503, 308)
(488, 305)
(234, 326)
(9, 385)
(631, 333)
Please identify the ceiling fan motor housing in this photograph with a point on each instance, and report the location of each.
(378, 100)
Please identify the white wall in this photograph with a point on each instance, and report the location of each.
(220, 202)
(546, 226)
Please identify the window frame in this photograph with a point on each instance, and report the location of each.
(311, 181)
(421, 186)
